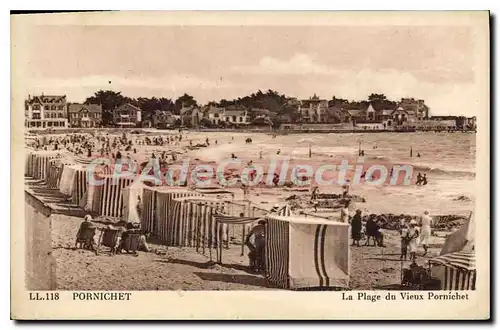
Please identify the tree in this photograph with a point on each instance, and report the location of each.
(109, 100)
(186, 101)
(377, 97)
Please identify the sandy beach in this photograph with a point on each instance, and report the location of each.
(448, 164)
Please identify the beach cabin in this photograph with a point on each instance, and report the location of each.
(307, 253)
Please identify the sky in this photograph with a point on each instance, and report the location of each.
(435, 63)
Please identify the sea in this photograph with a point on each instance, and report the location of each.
(447, 159)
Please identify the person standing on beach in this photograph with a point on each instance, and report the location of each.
(403, 234)
(345, 190)
(425, 222)
(344, 213)
(356, 228)
(413, 237)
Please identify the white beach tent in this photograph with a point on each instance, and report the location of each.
(130, 201)
(461, 239)
(304, 252)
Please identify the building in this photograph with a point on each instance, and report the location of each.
(215, 115)
(415, 109)
(127, 115)
(45, 111)
(231, 115)
(236, 117)
(353, 115)
(313, 110)
(163, 119)
(84, 115)
(191, 116)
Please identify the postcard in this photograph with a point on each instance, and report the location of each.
(250, 165)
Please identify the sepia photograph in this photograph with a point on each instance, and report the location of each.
(285, 154)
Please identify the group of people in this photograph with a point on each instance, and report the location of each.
(372, 228)
(85, 241)
(421, 179)
(412, 236)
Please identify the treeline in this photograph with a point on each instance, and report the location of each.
(277, 103)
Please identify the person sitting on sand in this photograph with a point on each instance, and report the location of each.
(278, 152)
(276, 179)
(233, 156)
(259, 247)
(275, 208)
(87, 223)
(356, 228)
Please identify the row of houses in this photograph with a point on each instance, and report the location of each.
(52, 111)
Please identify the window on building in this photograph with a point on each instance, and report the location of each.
(36, 116)
(61, 115)
(53, 107)
(234, 118)
(36, 107)
(46, 107)
(61, 107)
(241, 119)
(227, 118)
(216, 115)
(49, 124)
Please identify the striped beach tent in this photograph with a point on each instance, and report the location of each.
(157, 202)
(303, 252)
(456, 271)
(285, 211)
(39, 164)
(106, 198)
(54, 171)
(222, 223)
(170, 226)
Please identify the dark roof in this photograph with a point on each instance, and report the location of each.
(47, 99)
(129, 106)
(76, 107)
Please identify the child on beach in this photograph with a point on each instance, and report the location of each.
(403, 234)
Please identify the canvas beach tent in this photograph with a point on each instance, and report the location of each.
(105, 198)
(304, 252)
(157, 205)
(456, 270)
(131, 195)
(455, 267)
(461, 239)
